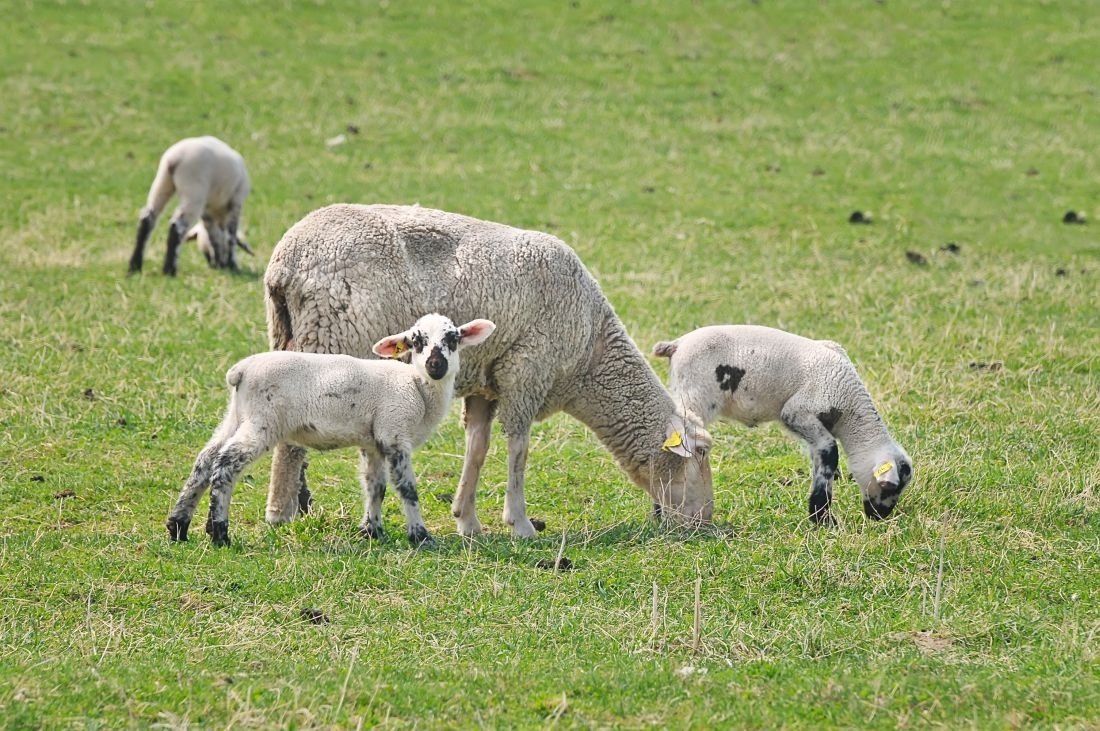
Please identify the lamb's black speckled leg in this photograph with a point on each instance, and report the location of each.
(372, 475)
(405, 483)
(145, 227)
(228, 465)
(175, 238)
(821, 493)
(180, 517)
(810, 427)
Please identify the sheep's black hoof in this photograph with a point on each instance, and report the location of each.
(177, 528)
(373, 532)
(823, 518)
(419, 537)
(305, 500)
(219, 532)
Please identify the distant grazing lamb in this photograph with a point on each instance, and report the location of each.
(756, 374)
(346, 274)
(212, 183)
(386, 408)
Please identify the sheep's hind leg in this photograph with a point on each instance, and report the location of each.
(825, 457)
(372, 475)
(287, 493)
(405, 483)
(478, 418)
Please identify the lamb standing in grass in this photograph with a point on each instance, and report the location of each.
(386, 408)
(756, 374)
(345, 274)
(212, 182)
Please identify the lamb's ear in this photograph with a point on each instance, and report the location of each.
(393, 346)
(475, 331)
(887, 477)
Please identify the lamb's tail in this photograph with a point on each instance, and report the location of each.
(665, 348)
(162, 189)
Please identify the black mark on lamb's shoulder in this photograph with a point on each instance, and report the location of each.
(829, 418)
(729, 377)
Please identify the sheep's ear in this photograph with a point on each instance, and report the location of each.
(392, 347)
(686, 440)
(475, 331)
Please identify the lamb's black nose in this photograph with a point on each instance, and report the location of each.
(436, 364)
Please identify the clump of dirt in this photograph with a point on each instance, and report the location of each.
(314, 616)
(555, 564)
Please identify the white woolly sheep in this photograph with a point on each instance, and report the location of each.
(212, 182)
(386, 408)
(346, 273)
(754, 374)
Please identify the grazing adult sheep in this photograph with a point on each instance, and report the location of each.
(755, 374)
(346, 273)
(386, 408)
(212, 182)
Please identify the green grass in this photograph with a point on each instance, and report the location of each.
(703, 159)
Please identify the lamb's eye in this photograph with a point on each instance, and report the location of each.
(418, 341)
(450, 339)
(904, 471)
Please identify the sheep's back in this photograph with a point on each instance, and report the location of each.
(353, 274)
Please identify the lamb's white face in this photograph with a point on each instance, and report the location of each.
(434, 343)
(890, 475)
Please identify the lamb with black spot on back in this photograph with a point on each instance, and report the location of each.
(754, 374)
(387, 408)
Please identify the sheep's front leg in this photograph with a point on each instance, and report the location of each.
(405, 483)
(478, 418)
(515, 504)
(372, 476)
(287, 492)
(825, 458)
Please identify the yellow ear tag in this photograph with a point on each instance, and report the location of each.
(882, 469)
(674, 440)
(399, 348)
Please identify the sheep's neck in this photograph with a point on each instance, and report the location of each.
(623, 402)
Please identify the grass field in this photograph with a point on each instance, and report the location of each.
(703, 159)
